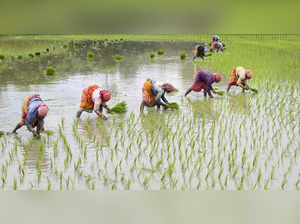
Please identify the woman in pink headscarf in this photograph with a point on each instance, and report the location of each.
(33, 113)
(94, 98)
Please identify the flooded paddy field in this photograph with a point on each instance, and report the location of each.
(232, 142)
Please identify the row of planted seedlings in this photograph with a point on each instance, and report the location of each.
(247, 169)
(237, 142)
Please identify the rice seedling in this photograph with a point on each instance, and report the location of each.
(2, 57)
(160, 52)
(118, 57)
(183, 56)
(219, 92)
(31, 55)
(152, 55)
(173, 105)
(49, 184)
(15, 184)
(204, 145)
(90, 54)
(119, 108)
(253, 90)
(50, 71)
(1, 133)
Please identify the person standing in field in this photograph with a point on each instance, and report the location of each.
(94, 98)
(33, 113)
(204, 80)
(154, 94)
(239, 77)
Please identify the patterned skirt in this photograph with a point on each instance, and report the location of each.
(86, 97)
(148, 96)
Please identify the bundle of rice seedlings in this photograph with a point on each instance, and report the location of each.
(90, 54)
(160, 52)
(1, 133)
(152, 55)
(118, 57)
(219, 92)
(119, 108)
(253, 90)
(182, 56)
(174, 105)
(50, 71)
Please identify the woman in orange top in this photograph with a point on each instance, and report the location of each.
(239, 77)
(93, 98)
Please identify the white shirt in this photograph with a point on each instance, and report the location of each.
(241, 74)
(96, 97)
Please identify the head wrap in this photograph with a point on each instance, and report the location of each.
(105, 94)
(249, 74)
(43, 110)
(168, 87)
(218, 77)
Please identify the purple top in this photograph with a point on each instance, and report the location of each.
(206, 77)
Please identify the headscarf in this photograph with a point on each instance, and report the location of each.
(218, 77)
(249, 74)
(168, 87)
(105, 95)
(43, 110)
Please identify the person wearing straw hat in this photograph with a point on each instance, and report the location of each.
(239, 77)
(203, 80)
(154, 94)
(34, 112)
(94, 98)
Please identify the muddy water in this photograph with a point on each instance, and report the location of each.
(125, 79)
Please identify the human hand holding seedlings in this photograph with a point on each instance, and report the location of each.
(166, 106)
(107, 109)
(101, 115)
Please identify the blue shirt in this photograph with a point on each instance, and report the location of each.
(33, 106)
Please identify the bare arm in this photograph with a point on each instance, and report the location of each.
(31, 129)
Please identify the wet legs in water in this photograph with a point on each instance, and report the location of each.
(142, 107)
(228, 88)
(79, 112)
(18, 127)
(187, 92)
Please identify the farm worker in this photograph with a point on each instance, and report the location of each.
(199, 51)
(154, 94)
(33, 113)
(94, 98)
(204, 80)
(215, 38)
(239, 77)
(217, 46)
